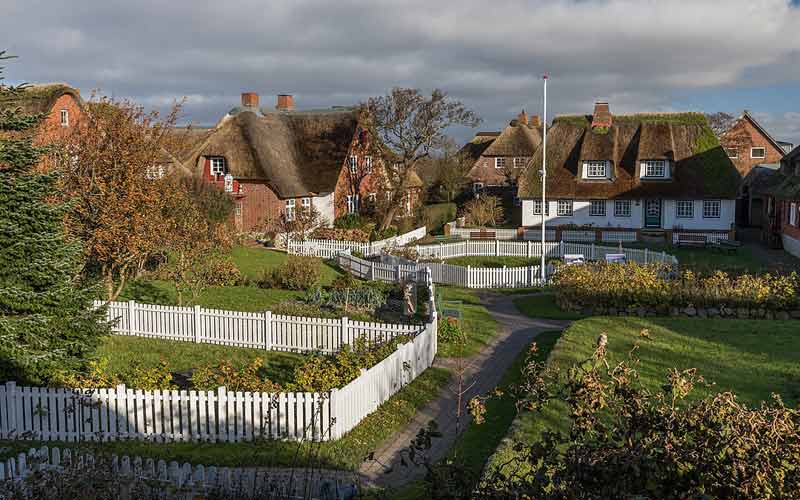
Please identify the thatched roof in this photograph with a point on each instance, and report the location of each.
(789, 186)
(475, 148)
(39, 98)
(701, 167)
(296, 153)
(517, 139)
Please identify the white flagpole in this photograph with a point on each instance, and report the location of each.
(544, 178)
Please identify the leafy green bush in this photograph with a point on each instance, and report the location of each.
(358, 297)
(149, 379)
(223, 272)
(353, 221)
(449, 332)
(250, 378)
(295, 273)
(624, 285)
(136, 376)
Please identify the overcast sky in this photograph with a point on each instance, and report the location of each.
(641, 55)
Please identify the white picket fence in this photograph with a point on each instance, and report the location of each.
(257, 330)
(714, 237)
(447, 274)
(617, 236)
(218, 416)
(186, 481)
(535, 234)
(330, 248)
(467, 232)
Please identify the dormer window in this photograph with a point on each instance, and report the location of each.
(596, 169)
(499, 162)
(217, 166)
(654, 169)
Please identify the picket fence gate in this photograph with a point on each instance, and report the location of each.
(182, 481)
(108, 414)
(330, 248)
(257, 330)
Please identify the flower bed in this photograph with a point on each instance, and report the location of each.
(647, 290)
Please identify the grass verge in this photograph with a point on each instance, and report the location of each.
(543, 306)
(346, 453)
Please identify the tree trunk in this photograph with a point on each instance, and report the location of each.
(388, 218)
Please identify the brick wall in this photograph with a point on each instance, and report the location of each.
(259, 206)
(359, 147)
(742, 137)
(484, 171)
(50, 129)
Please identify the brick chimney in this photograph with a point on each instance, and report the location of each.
(601, 117)
(285, 102)
(535, 121)
(249, 99)
(522, 118)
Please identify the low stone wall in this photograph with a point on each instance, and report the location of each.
(685, 312)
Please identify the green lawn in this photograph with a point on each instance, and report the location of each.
(543, 306)
(251, 262)
(752, 358)
(707, 260)
(122, 351)
(478, 323)
(492, 261)
(346, 453)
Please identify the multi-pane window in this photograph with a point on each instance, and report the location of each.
(519, 162)
(154, 172)
(305, 203)
(499, 162)
(352, 203)
(564, 208)
(711, 209)
(290, 209)
(758, 152)
(218, 165)
(353, 161)
(477, 187)
(598, 208)
(537, 208)
(654, 168)
(732, 153)
(238, 210)
(622, 208)
(684, 209)
(65, 118)
(595, 169)
(368, 164)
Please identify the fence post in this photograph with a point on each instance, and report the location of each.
(333, 412)
(593, 257)
(645, 255)
(663, 256)
(268, 330)
(497, 248)
(344, 331)
(397, 273)
(11, 426)
(372, 271)
(131, 317)
(561, 249)
(529, 249)
(469, 275)
(198, 325)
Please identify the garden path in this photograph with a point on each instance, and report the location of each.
(482, 371)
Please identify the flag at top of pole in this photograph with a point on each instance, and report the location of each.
(544, 177)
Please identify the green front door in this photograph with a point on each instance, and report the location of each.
(652, 213)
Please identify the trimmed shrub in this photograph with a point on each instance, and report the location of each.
(626, 285)
(295, 273)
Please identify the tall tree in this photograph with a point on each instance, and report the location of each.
(119, 206)
(47, 321)
(406, 127)
(452, 168)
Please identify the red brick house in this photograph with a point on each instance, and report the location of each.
(756, 155)
(499, 157)
(61, 104)
(281, 160)
(782, 207)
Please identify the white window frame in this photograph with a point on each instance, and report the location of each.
(732, 153)
(372, 197)
(353, 164)
(684, 209)
(650, 169)
(565, 208)
(597, 203)
(237, 210)
(290, 206)
(622, 208)
(712, 207)
(519, 162)
(594, 164)
(65, 118)
(753, 154)
(499, 162)
(477, 187)
(155, 172)
(305, 204)
(368, 164)
(793, 214)
(217, 161)
(537, 207)
(352, 204)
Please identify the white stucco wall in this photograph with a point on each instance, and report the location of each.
(325, 206)
(581, 211)
(791, 245)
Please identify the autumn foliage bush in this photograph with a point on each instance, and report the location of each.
(624, 285)
(295, 273)
(343, 234)
(249, 378)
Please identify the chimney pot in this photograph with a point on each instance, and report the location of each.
(250, 99)
(285, 102)
(601, 117)
(522, 117)
(535, 121)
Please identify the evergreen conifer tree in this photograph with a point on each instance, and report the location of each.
(47, 322)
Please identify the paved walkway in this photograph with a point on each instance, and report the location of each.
(773, 258)
(485, 369)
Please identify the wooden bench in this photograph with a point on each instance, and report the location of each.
(482, 235)
(691, 240)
